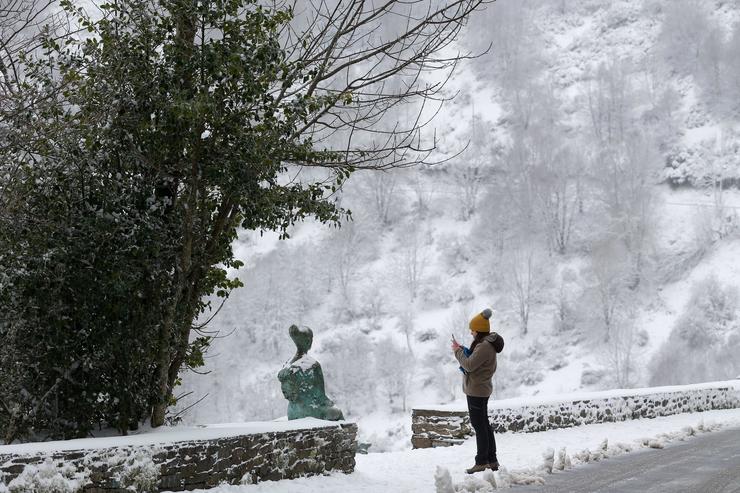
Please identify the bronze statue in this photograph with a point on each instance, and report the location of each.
(302, 382)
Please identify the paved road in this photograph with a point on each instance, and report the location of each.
(707, 463)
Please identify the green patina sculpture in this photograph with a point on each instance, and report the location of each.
(302, 382)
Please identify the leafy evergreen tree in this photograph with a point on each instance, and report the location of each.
(137, 153)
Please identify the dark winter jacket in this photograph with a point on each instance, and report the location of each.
(480, 365)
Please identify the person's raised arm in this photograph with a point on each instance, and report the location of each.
(472, 362)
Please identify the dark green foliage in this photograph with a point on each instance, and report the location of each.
(145, 147)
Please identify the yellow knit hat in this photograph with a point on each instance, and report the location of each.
(481, 322)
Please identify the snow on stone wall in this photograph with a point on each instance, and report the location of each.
(183, 464)
(435, 426)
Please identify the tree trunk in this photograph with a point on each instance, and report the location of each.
(186, 30)
(160, 405)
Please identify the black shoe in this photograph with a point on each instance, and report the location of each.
(493, 465)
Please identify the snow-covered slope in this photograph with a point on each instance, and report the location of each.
(384, 293)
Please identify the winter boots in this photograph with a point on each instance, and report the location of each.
(482, 467)
(477, 468)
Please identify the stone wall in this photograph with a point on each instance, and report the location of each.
(447, 426)
(187, 465)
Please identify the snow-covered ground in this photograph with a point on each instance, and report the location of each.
(523, 455)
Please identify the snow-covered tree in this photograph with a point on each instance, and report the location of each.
(556, 176)
(525, 279)
(412, 259)
(609, 95)
(394, 366)
(475, 168)
(155, 137)
(686, 26)
(710, 325)
(622, 353)
(609, 266)
(382, 191)
(345, 359)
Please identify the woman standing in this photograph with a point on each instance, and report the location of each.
(479, 364)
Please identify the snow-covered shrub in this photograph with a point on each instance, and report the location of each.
(426, 335)
(456, 253)
(684, 166)
(139, 472)
(711, 311)
(698, 116)
(726, 356)
(710, 326)
(564, 317)
(49, 477)
(620, 14)
(707, 166)
(528, 364)
(567, 286)
(530, 376)
(642, 338)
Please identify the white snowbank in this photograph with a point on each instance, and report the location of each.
(521, 454)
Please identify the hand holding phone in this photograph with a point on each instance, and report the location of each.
(455, 344)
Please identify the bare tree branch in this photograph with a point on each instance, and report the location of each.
(367, 61)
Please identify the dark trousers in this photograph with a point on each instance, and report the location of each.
(478, 410)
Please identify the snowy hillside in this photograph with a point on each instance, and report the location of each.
(593, 209)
